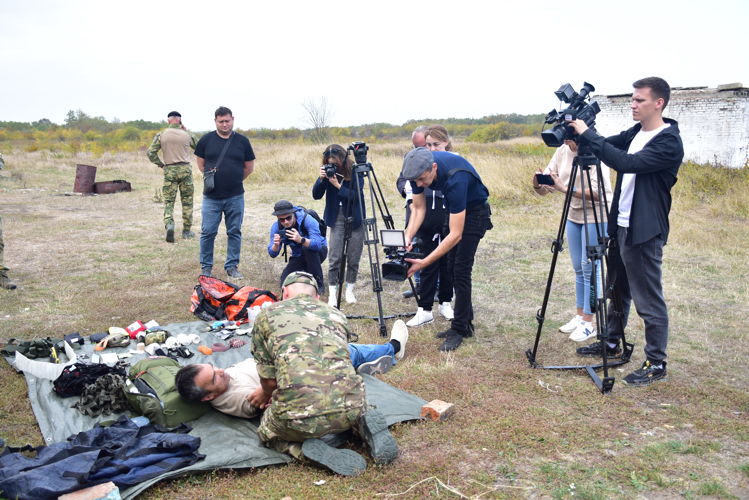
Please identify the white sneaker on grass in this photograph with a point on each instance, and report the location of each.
(332, 296)
(350, 299)
(583, 333)
(422, 317)
(446, 310)
(572, 325)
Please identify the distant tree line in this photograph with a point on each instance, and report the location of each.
(84, 127)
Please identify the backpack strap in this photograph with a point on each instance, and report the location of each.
(463, 169)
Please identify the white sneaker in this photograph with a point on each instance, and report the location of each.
(400, 333)
(583, 333)
(446, 310)
(332, 296)
(350, 299)
(422, 318)
(572, 325)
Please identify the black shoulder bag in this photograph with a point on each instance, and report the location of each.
(209, 171)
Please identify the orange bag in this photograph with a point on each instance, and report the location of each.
(214, 299)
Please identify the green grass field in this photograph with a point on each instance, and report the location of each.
(88, 263)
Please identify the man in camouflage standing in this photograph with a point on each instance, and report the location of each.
(308, 384)
(175, 143)
(5, 281)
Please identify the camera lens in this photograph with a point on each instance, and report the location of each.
(330, 170)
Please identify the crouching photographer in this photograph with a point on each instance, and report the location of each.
(299, 231)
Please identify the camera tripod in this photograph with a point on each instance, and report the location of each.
(598, 255)
(362, 169)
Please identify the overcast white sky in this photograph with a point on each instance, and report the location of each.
(381, 61)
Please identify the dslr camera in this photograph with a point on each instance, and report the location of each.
(394, 243)
(578, 109)
(330, 170)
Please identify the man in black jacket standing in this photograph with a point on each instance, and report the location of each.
(647, 158)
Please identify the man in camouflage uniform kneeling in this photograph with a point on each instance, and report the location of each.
(301, 349)
(175, 142)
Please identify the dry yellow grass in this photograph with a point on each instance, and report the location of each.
(87, 263)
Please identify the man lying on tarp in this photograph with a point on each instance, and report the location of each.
(304, 361)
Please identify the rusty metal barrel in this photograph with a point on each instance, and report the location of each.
(84, 179)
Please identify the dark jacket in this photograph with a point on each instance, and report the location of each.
(333, 196)
(656, 166)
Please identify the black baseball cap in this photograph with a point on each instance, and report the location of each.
(283, 207)
(173, 113)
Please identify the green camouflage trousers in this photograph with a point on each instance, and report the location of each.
(178, 178)
(287, 436)
(3, 269)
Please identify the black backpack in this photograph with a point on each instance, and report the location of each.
(314, 215)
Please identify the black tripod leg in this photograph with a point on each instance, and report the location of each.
(556, 247)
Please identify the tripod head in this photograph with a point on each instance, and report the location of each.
(359, 148)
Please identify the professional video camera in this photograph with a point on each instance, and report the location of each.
(359, 149)
(578, 109)
(394, 243)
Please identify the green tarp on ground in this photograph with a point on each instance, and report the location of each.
(227, 442)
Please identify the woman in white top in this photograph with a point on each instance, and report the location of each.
(560, 169)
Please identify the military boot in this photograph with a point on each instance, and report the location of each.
(188, 235)
(170, 233)
(6, 283)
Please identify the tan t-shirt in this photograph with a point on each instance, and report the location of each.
(175, 146)
(561, 163)
(244, 380)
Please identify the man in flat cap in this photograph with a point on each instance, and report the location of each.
(175, 143)
(297, 230)
(468, 219)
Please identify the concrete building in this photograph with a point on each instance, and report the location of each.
(714, 123)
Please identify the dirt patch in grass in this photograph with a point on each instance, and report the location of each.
(88, 263)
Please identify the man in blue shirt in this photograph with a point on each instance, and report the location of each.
(468, 220)
(301, 233)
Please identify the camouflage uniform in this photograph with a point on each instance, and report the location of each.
(302, 343)
(177, 177)
(3, 269)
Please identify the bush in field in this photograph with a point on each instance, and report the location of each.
(497, 132)
(130, 133)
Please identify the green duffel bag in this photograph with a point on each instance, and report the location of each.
(151, 392)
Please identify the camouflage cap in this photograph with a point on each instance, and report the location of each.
(301, 277)
(417, 162)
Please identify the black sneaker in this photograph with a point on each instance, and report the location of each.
(380, 365)
(410, 293)
(446, 333)
(343, 462)
(646, 375)
(206, 271)
(233, 272)
(452, 342)
(373, 429)
(170, 233)
(594, 350)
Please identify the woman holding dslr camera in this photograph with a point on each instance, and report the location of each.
(580, 327)
(338, 189)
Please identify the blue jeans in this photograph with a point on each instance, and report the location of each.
(364, 353)
(232, 209)
(583, 268)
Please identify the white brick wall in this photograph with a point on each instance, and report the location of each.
(714, 125)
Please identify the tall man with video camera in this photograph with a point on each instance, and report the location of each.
(469, 217)
(647, 158)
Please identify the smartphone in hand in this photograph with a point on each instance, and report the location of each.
(545, 179)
